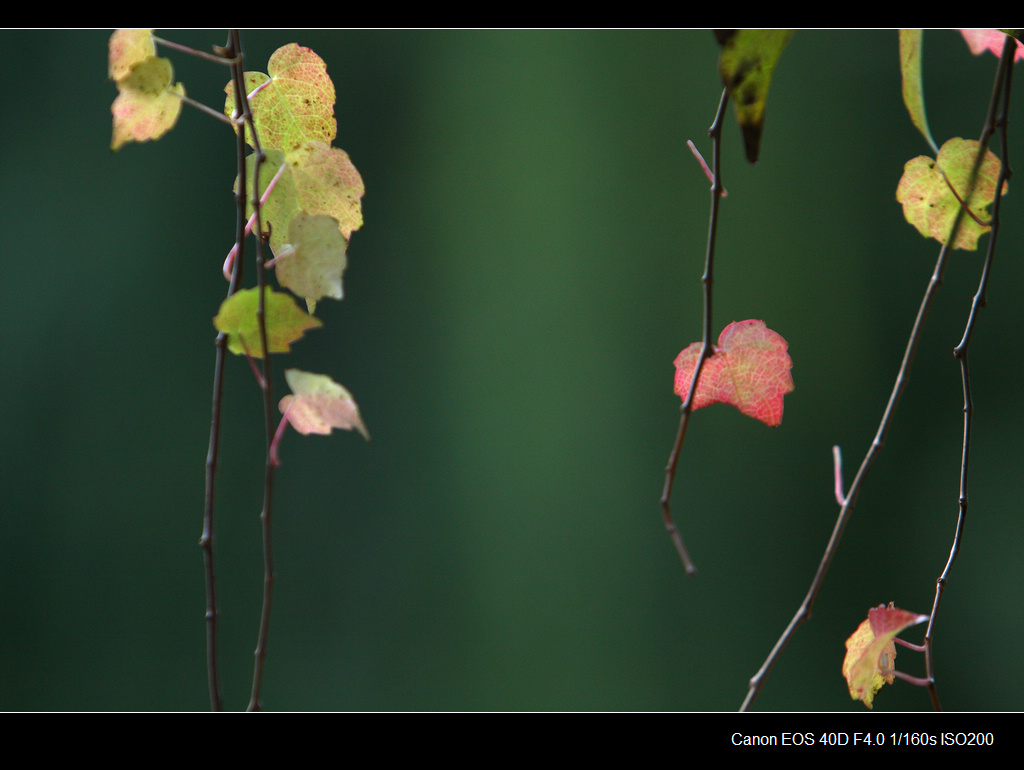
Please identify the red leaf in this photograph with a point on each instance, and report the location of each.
(748, 369)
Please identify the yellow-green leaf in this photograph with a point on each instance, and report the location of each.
(285, 322)
(127, 47)
(926, 192)
(295, 102)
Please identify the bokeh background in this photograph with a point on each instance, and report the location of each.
(529, 268)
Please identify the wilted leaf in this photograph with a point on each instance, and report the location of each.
(748, 369)
(285, 322)
(746, 64)
(913, 92)
(930, 205)
(319, 404)
(871, 653)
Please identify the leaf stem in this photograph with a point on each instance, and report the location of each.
(208, 110)
(221, 56)
(252, 220)
(715, 132)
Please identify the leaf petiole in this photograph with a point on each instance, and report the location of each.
(230, 259)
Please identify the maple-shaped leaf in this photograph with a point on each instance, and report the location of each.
(313, 260)
(749, 369)
(148, 102)
(871, 653)
(293, 104)
(285, 322)
(746, 64)
(981, 40)
(929, 203)
(319, 405)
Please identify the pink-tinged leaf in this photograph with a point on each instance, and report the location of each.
(319, 405)
(148, 102)
(285, 322)
(871, 652)
(981, 40)
(748, 369)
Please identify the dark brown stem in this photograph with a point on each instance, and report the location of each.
(715, 132)
(232, 53)
(1002, 88)
(244, 109)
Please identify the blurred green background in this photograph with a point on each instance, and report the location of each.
(529, 268)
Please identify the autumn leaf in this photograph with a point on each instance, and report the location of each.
(746, 65)
(929, 203)
(126, 48)
(319, 404)
(981, 40)
(148, 102)
(871, 652)
(285, 322)
(748, 369)
(293, 103)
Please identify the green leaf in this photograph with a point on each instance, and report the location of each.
(285, 322)
(746, 64)
(930, 205)
(911, 41)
